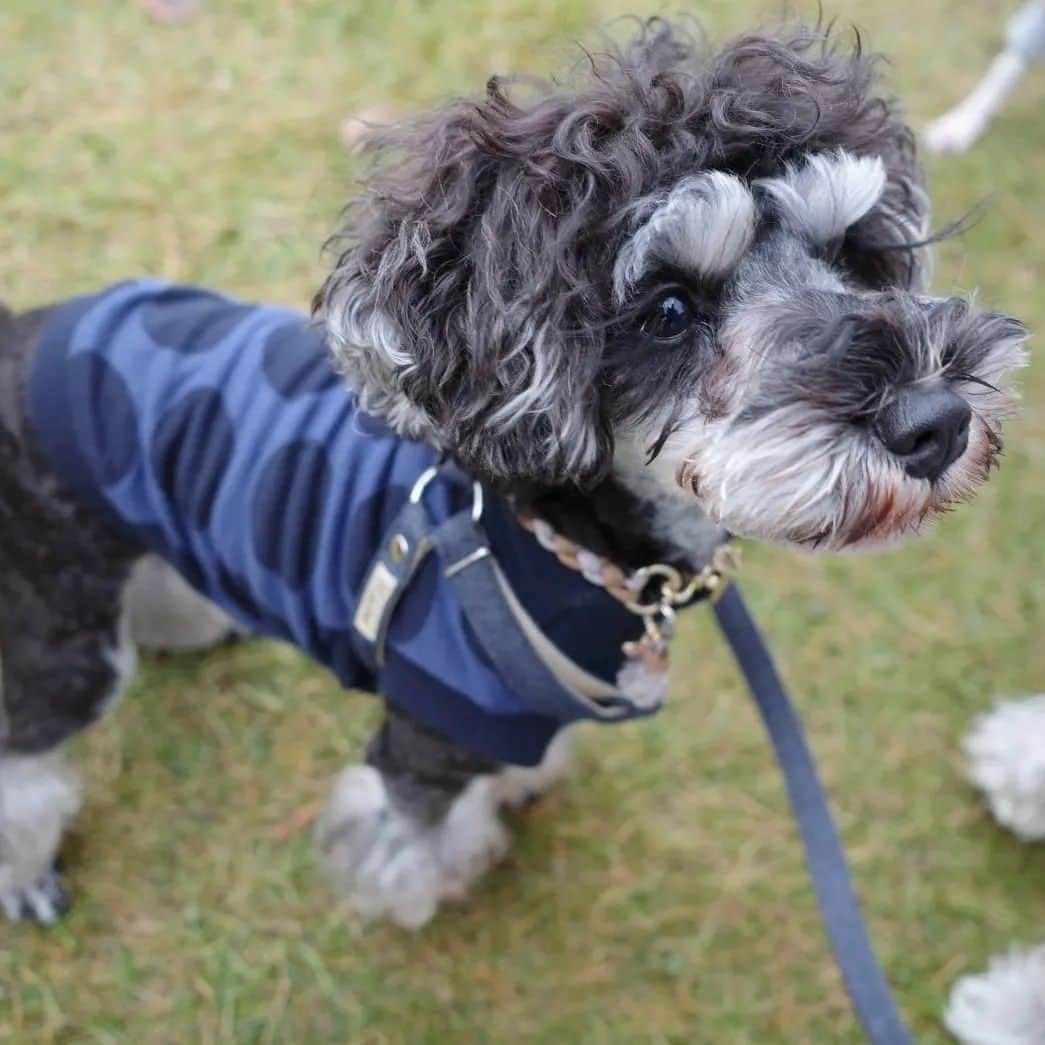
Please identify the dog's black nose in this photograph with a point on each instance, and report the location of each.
(926, 427)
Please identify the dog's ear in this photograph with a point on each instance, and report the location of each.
(889, 246)
(458, 309)
(811, 88)
(776, 97)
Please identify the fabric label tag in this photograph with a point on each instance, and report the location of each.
(380, 587)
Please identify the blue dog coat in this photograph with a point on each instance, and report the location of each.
(217, 435)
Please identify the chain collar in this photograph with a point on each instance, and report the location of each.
(632, 589)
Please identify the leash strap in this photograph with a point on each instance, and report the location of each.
(839, 906)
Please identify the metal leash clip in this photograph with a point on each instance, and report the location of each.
(676, 589)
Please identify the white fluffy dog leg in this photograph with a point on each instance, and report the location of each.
(517, 785)
(1006, 752)
(39, 795)
(388, 864)
(1004, 1005)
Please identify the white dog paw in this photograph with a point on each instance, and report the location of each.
(515, 786)
(389, 864)
(1004, 1005)
(39, 795)
(1006, 752)
(44, 901)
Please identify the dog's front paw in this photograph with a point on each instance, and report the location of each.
(44, 901)
(1004, 1005)
(1006, 753)
(389, 864)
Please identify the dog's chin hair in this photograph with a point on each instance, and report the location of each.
(811, 485)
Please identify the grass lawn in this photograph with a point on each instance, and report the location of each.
(661, 894)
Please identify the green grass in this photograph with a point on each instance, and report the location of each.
(661, 894)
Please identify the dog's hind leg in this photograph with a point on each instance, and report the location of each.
(57, 679)
(64, 659)
(166, 613)
(51, 689)
(39, 795)
(64, 652)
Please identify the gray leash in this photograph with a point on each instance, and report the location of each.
(839, 906)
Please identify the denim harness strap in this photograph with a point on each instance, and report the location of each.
(500, 624)
(552, 684)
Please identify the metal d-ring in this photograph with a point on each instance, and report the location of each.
(418, 489)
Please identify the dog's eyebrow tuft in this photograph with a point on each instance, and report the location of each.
(703, 225)
(827, 194)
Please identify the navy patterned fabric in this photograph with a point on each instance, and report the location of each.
(218, 435)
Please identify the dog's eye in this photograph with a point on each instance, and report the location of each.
(669, 317)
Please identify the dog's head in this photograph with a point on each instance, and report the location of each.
(699, 272)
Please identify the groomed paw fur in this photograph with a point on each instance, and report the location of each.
(1006, 753)
(388, 864)
(1004, 1005)
(43, 901)
(39, 795)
